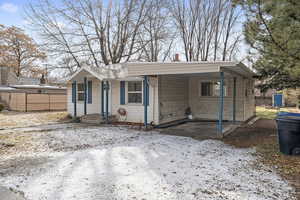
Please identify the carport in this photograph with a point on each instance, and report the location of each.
(216, 111)
(217, 92)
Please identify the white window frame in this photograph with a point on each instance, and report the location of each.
(213, 92)
(134, 92)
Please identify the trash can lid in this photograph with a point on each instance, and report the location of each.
(288, 114)
(289, 118)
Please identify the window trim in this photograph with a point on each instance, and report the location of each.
(134, 92)
(80, 92)
(213, 91)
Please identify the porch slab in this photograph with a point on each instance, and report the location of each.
(199, 130)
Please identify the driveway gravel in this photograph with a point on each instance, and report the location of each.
(75, 162)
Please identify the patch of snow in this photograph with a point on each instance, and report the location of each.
(125, 164)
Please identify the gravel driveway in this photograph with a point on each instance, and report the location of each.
(74, 162)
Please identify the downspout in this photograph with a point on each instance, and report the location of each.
(221, 104)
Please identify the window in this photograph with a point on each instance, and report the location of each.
(80, 91)
(209, 89)
(216, 90)
(135, 91)
(206, 89)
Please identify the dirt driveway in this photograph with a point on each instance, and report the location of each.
(71, 161)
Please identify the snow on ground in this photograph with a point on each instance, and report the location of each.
(119, 163)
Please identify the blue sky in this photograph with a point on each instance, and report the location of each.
(11, 12)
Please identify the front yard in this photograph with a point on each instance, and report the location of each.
(73, 162)
(76, 161)
(263, 137)
(10, 119)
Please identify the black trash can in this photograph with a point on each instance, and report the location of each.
(288, 126)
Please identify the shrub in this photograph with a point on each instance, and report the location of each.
(1, 107)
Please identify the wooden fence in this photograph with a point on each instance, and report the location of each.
(26, 102)
(263, 101)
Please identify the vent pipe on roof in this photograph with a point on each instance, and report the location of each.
(176, 57)
(42, 80)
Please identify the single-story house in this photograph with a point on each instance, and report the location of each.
(157, 93)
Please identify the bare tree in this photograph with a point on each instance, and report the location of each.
(89, 31)
(157, 35)
(206, 28)
(18, 50)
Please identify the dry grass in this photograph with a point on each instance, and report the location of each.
(9, 119)
(286, 165)
(271, 113)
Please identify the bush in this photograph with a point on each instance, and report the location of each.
(1, 107)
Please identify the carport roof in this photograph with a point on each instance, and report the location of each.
(130, 69)
(161, 68)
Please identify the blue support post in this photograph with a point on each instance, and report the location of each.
(102, 98)
(75, 99)
(106, 105)
(221, 103)
(234, 100)
(85, 95)
(145, 92)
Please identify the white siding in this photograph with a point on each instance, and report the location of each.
(135, 112)
(173, 98)
(249, 104)
(169, 96)
(208, 107)
(93, 108)
(178, 93)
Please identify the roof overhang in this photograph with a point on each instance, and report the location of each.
(115, 71)
(137, 69)
(38, 87)
(7, 88)
(240, 69)
(155, 68)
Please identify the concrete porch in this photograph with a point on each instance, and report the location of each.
(200, 130)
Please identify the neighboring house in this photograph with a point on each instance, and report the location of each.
(28, 81)
(158, 93)
(263, 98)
(7, 76)
(27, 94)
(289, 97)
